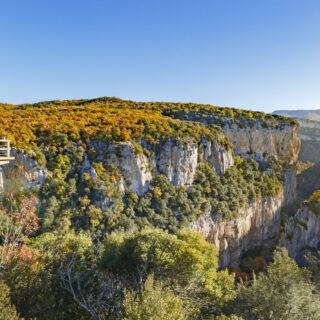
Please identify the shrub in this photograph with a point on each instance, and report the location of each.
(7, 310)
(153, 302)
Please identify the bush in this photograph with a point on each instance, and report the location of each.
(153, 302)
(185, 260)
(7, 310)
(283, 292)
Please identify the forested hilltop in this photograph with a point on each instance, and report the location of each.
(118, 209)
(119, 120)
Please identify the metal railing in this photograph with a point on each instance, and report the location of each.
(5, 148)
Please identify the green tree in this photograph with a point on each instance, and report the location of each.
(154, 302)
(224, 317)
(7, 310)
(35, 272)
(285, 292)
(185, 260)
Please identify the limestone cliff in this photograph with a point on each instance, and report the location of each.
(22, 173)
(135, 168)
(310, 140)
(259, 142)
(302, 232)
(252, 137)
(309, 121)
(258, 224)
(290, 184)
(172, 140)
(177, 159)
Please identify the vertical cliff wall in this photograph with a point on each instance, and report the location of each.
(290, 184)
(22, 173)
(253, 137)
(175, 158)
(310, 140)
(259, 142)
(139, 161)
(259, 224)
(302, 232)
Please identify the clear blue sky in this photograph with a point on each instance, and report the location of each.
(257, 54)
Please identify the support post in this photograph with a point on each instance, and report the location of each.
(1, 181)
(5, 158)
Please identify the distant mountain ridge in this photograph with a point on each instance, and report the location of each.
(300, 114)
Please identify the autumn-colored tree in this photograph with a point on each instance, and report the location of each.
(17, 221)
(34, 271)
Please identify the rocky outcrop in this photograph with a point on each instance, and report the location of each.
(178, 159)
(310, 140)
(309, 121)
(259, 142)
(134, 167)
(259, 224)
(290, 184)
(253, 137)
(302, 232)
(175, 158)
(220, 158)
(22, 173)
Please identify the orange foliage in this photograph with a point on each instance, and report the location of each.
(113, 121)
(26, 216)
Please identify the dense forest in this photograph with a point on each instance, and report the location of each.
(79, 246)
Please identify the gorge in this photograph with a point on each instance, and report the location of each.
(196, 135)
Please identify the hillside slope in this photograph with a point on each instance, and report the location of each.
(107, 164)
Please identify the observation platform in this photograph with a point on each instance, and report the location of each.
(5, 150)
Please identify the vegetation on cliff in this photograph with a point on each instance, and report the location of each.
(86, 201)
(110, 119)
(121, 120)
(313, 203)
(147, 274)
(102, 252)
(285, 291)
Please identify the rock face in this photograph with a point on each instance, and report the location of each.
(310, 140)
(22, 173)
(259, 142)
(309, 121)
(252, 137)
(302, 232)
(258, 224)
(290, 184)
(212, 152)
(134, 167)
(177, 159)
